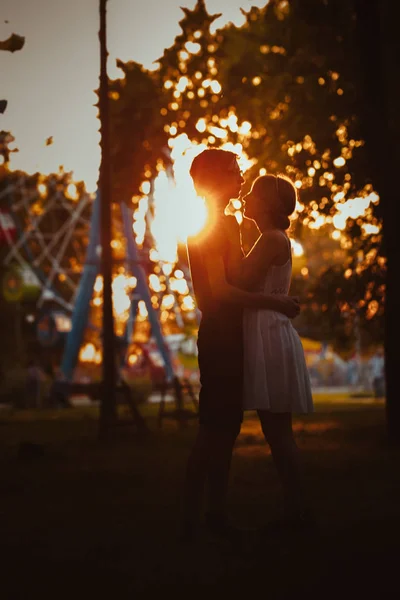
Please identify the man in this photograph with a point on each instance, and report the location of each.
(212, 256)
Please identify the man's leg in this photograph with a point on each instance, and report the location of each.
(210, 462)
(222, 443)
(220, 411)
(195, 478)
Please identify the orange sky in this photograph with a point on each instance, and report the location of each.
(49, 84)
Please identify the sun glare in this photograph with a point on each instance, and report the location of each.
(178, 211)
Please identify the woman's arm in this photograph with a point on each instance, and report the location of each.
(247, 272)
(222, 291)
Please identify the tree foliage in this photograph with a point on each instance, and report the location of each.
(292, 71)
(283, 90)
(138, 141)
(13, 43)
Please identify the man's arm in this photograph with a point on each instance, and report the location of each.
(224, 292)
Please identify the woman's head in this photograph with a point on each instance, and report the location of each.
(271, 198)
(216, 175)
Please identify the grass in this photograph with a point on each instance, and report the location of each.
(84, 519)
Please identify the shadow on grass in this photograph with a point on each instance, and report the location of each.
(104, 518)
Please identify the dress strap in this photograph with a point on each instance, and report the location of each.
(289, 244)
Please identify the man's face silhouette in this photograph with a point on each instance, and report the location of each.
(230, 182)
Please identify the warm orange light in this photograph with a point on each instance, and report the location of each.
(201, 125)
(297, 248)
(245, 128)
(133, 358)
(42, 189)
(145, 187)
(339, 161)
(167, 302)
(87, 353)
(180, 286)
(154, 283)
(142, 309)
(216, 87)
(192, 47)
(188, 303)
(72, 191)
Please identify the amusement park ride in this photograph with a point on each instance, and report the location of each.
(45, 258)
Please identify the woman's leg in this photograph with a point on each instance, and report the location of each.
(278, 432)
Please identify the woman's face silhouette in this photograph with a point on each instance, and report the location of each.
(253, 205)
(263, 196)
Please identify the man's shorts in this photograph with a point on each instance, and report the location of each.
(220, 356)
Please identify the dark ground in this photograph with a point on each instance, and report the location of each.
(82, 520)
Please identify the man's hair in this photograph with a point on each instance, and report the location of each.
(207, 167)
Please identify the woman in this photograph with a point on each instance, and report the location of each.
(276, 380)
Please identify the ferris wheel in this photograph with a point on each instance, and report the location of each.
(44, 227)
(50, 231)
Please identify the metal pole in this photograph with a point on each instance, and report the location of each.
(108, 403)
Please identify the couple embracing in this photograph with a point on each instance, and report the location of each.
(250, 356)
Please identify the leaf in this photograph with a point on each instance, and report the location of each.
(13, 43)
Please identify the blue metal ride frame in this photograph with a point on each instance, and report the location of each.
(142, 291)
(80, 314)
(91, 269)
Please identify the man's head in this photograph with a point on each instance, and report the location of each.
(216, 176)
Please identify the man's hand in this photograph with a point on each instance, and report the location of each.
(287, 305)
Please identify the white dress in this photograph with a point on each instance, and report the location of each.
(275, 372)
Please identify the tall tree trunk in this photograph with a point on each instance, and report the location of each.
(379, 39)
(108, 399)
